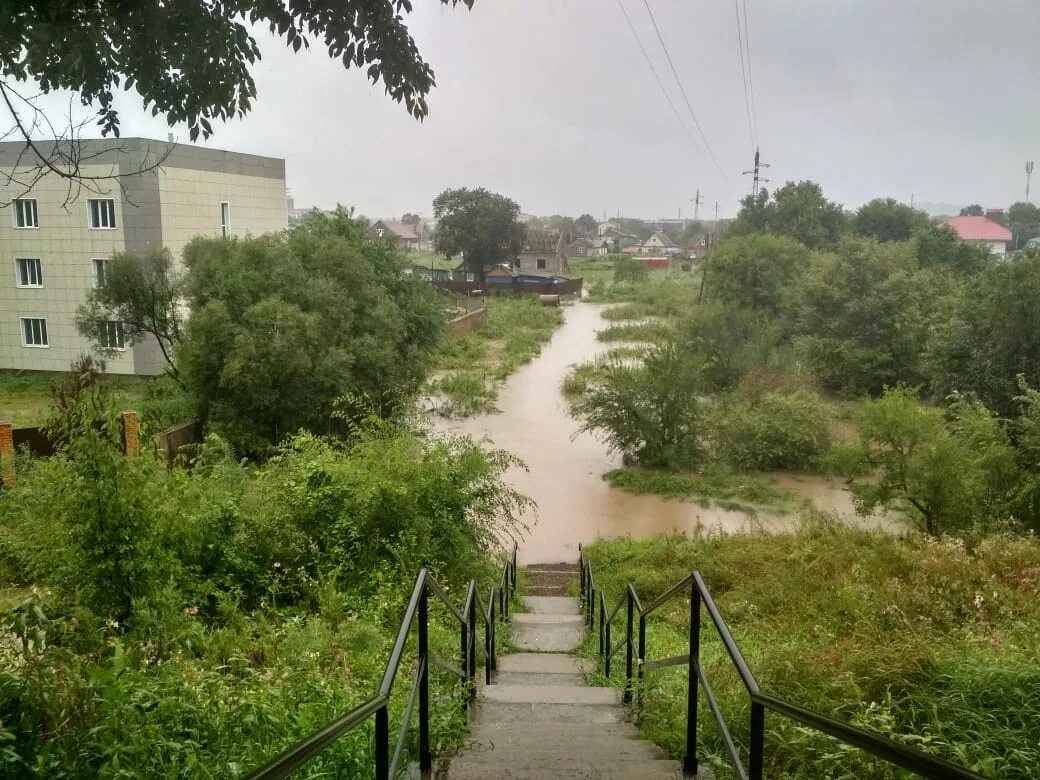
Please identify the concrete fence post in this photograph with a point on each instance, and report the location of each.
(131, 438)
(7, 472)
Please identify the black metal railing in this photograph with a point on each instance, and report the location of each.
(594, 604)
(386, 764)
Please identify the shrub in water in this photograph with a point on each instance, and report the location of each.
(779, 431)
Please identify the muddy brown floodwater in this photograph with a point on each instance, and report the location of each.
(565, 467)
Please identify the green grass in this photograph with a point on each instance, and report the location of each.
(636, 331)
(465, 393)
(627, 353)
(933, 643)
(715, 486)
(516, 331)
(25, 395)
(577, 382)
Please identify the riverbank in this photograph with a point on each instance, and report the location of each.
(565, 467)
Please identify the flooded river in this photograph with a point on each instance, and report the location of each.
(565, 467)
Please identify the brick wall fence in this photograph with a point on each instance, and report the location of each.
(40, 445)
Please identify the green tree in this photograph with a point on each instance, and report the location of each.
(993, 335)
(945, 473)
(940, 247)
(143, 294)
(1024, 221)
(804, 214)
(586, 224)
(94, 47)
(865, 315)
(975, 210)
(728, 342)
(629, 270)
(651, 413)
(755, 271)
(411, 219)
(483, 226)
(796, 210)
(886, 219)
(282, 325)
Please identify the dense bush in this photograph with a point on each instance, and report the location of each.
(629, 270)
(776, 431)
(949, 472)
(197, 622)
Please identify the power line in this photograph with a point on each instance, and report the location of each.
(744, 77)
(751, 81)
(657, 77)
(682, 89)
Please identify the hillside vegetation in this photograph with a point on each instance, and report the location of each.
(931, 642)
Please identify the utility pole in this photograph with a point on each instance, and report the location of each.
(757, 174)
(1029, 175)
(697, 205)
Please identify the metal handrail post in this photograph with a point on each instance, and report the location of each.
(641, 659)
(602, 620)
(425, 757)
(756, 754)
(692, 687)
(464, 661)
(382, 743)
(472, 648)
(606, 653)
(628, 650)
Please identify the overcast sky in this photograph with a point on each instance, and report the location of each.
(551, 103)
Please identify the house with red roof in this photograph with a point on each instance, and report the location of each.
(982, 231)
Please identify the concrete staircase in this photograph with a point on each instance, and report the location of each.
(538, 720)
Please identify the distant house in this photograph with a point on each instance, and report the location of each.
(428, 274)
(577, 248)
(605, 227)
(618, 240)
(404, 235)
(599, 246)
(542, 252)
(982, 231)
(659, 242)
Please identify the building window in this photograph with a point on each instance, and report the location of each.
(225, 219)
(25, 213)
(111, 336)
(30, 272)
(102, 213)
(100, 268)
(34, 332)
(541, 264)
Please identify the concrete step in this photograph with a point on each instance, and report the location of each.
(556, 591)
(544, 663)
(550, 694)
(549, 768)
(552, 605)
(507, 743)
(547, 633)
(567, 566)
(554, 580)
(535, 732)
(498, 712)
(534, 678)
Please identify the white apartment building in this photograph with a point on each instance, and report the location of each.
(52, 251)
